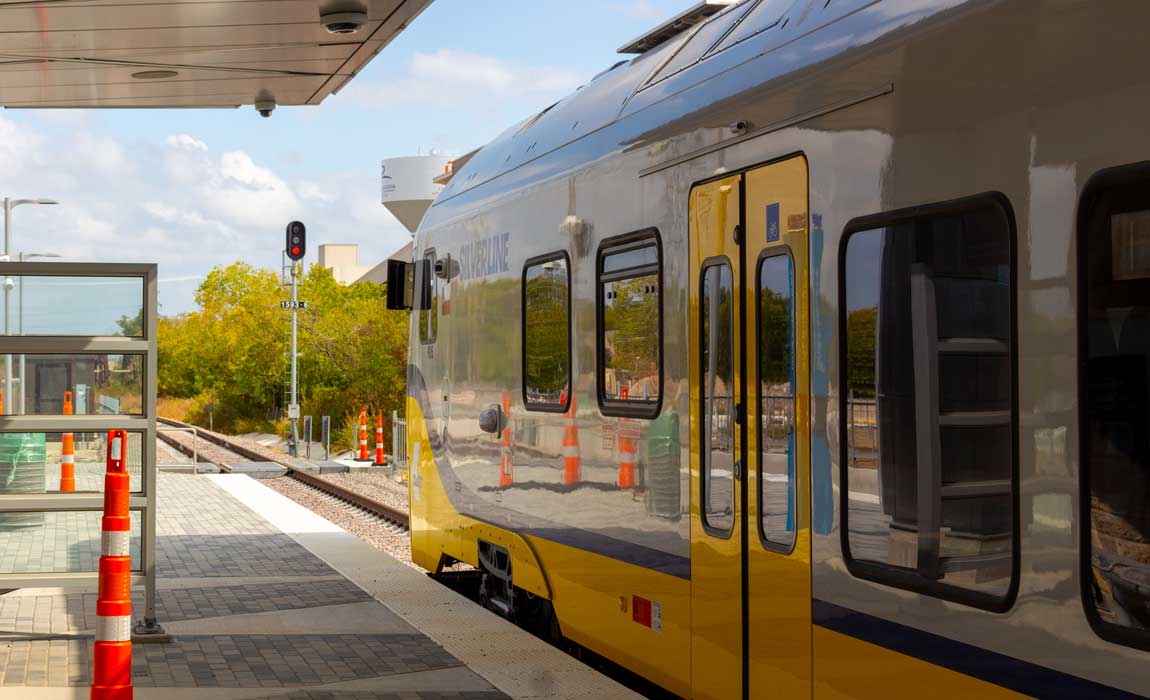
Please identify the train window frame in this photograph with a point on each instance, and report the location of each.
(609, 246)
(533, 262)
(768, 253)
(1097, 203)
(717, 261)
(429, 334)
(883, 573)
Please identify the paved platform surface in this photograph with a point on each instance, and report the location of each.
(267, 600)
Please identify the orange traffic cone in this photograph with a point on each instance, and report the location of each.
(363, 436)
(572, 462)
(379, 461)
(112, 656)
(67, 453)
(506, 477)
(626, 457)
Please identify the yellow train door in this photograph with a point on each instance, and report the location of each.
(717, 500)
(778, 435)
(750, 464)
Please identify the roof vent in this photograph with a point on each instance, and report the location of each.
(675, 26)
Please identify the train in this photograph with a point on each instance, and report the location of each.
(805, 353)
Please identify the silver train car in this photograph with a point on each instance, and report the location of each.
(806, 354)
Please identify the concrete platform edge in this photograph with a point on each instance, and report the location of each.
(512, 660)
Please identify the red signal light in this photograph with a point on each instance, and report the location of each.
(295, 250)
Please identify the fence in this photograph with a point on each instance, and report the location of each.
(862, 432)
(398, 439)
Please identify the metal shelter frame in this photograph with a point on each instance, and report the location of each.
(144, 501)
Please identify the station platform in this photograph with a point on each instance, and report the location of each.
(267, 601)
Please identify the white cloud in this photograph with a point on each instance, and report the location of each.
(447, 78)
(104, 154)
(186, 141)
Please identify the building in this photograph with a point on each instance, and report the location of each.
(343, 261)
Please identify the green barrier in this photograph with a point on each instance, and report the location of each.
(663, 464)
(22, 470)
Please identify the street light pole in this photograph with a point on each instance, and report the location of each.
(9, 205)
(23, 392)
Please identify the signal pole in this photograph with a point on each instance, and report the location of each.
(293, 408)
(295, 247)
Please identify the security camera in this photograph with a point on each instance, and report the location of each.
(343, 22)
(9, 283)
(265, 105)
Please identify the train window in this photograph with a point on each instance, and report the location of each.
(1115, 419)
(776, 334)
(630, 325)
(429, 315)
(929, 456)
(546, 333)
(717, 373)
(702, 40)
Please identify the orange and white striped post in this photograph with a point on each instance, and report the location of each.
(112, 657)
(363, 436)
(67, 453)
(572, 460)
(379, 461)
(506, 475)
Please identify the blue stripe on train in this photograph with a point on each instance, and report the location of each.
(992, 667)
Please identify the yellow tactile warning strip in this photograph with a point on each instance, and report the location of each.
(512, 660)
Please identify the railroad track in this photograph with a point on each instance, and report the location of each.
(394, 517)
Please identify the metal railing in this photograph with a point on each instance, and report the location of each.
(398, 439)
(862, 432)
(195, 463)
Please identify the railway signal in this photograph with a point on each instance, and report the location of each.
(296, 244)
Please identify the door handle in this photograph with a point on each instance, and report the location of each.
(738, 470)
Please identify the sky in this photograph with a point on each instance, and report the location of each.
(193, 189)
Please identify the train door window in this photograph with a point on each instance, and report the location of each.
(630, 326)
(429, 314)
(546, 333)
(717, 373)
(1115, 419)
(776, 372)
(929, 442)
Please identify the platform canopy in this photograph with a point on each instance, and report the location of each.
(187, 53)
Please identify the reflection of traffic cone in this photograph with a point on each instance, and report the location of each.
(67, 453)
(363, 436)
(112, 655)
(506, 477)
(626, 460)
(571, 458)
(379, 442)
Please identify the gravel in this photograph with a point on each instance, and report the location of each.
(380, 486)
(384, 536)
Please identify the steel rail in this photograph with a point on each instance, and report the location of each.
(376, 508)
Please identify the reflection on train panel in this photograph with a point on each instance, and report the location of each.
(806, 354)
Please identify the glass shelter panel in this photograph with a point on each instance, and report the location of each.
(546, 333)
(929, 386)
(718, 394)
(76, 306)
(777, 394)
(99, 383)
(56, 542)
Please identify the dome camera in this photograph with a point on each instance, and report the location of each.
(265, 105)
(343, 22)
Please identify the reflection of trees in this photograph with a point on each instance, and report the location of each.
(547, 333)
(861, 326)
(775, 341)
(631, 329)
